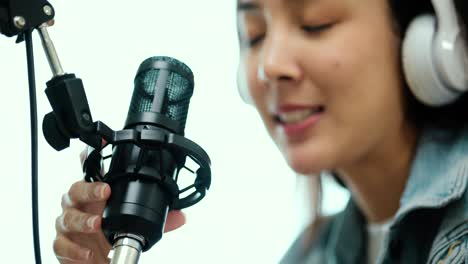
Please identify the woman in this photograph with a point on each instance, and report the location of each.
(326, 78)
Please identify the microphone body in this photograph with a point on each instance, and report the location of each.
(142, 176)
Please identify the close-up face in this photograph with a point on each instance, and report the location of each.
(325, 78)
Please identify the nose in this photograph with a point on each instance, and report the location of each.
(279, 60)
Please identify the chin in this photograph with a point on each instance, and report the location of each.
(310, 156)
(306, 163)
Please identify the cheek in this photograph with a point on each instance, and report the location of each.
(361, 86)
(361, 75)
(252, 80)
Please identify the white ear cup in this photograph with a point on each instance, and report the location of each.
(242, 84)
(420, 65)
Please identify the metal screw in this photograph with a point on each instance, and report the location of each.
(86, 117)
(19, 22)
(47, 10)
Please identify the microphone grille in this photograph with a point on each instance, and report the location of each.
(163, 85)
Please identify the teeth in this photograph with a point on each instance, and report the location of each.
(297, 116)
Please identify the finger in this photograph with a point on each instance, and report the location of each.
(175, 219)
(66, 201)
(71, 261)
(87, 192)
(75, 221)
(68, 252)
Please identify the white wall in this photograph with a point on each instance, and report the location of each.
(252, 211)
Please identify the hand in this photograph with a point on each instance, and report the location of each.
(79, 235)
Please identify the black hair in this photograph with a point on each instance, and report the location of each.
(462, 10)
(454, 116)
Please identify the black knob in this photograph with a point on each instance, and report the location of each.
(53, 134)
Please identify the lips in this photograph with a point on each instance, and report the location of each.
(297, 116)
(295, 119)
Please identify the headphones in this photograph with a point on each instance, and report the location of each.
(434, 56)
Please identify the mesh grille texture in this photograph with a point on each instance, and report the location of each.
(178, 91)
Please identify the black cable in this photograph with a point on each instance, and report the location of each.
(34, 149)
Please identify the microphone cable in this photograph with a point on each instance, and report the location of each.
(34, 143)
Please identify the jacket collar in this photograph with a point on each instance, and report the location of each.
(348, 240)
(438, 176)
(439, 173)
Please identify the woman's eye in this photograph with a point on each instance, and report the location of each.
(256, 40)
(317, 28)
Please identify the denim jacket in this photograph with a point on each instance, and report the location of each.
(431, 225)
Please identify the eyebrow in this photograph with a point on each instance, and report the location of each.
(246, 6)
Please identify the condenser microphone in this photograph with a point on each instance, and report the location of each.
(147, 156)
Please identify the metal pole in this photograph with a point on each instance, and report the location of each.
(126, 250)
(50, 51)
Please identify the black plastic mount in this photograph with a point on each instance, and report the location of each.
(143, 175)
(153, 140)
(17, 16)
(71, 116)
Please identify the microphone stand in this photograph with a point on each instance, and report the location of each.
(126, 249)
(51, 53)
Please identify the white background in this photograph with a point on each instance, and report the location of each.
(255, 206)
